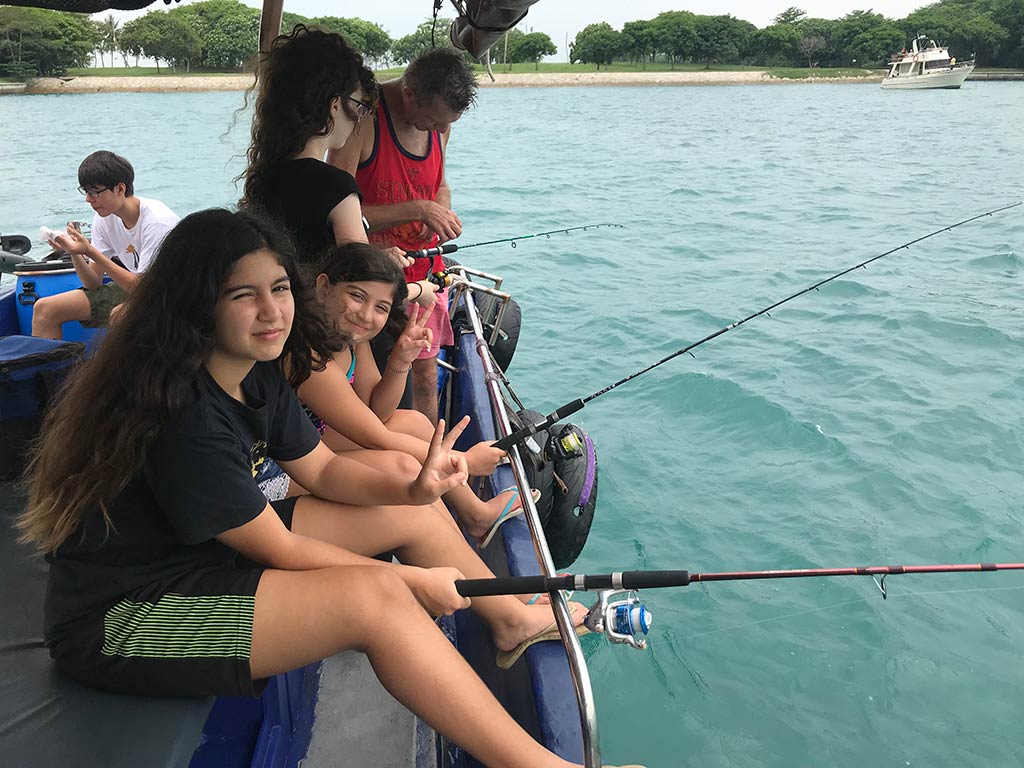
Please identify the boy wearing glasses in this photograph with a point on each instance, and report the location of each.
(126, 233)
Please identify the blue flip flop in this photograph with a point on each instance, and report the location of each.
(507, 513)
(566, 593)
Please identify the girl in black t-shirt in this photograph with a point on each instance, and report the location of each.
(312, 92)
(144, 515)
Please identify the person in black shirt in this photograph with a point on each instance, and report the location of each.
(170, 574)
(312, 93)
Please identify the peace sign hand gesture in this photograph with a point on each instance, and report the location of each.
(414, 339)
(443, 469)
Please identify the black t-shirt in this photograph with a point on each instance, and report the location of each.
(197, 481)
(302, 193)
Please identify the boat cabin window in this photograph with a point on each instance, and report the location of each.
(936, 64)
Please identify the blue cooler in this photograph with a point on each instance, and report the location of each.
(47, 278)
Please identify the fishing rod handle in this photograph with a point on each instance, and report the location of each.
(531, 429)
(526, 585)
(429, 253)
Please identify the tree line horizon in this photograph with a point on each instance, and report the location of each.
(223, 35)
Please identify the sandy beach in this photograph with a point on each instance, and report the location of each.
(514, 80)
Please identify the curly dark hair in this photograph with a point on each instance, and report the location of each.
(117, 402)
(296, 81)
(359, 262)
(444, 74)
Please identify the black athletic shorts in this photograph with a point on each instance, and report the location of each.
(190, 636)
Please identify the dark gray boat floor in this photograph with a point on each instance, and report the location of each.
(48, 720)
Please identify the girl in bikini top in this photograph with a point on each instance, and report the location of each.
(362, 292)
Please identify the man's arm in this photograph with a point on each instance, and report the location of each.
(444, 192)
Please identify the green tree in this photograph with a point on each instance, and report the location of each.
(675, 35)
(638, 41)
(107, 30)
(777, 45)
(174, 41)
(499, 48)
(34, 41)
(533, 46)
(407, 48)
(228, 31)
(867, 38)
(791, 15)
(1009, 15)
(132, 36)
(596, 44)
(366, 37)
(722, 39)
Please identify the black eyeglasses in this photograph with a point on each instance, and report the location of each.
(94, 191)
(362, 108)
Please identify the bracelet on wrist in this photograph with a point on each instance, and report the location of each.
(390, 366)
(413, 298)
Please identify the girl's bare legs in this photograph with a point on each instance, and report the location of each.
(423, 536)
(475, 515)
(300, 619)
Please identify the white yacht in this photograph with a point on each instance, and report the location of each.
(927, 67)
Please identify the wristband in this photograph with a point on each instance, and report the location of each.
(392, 368)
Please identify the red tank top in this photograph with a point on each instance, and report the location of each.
(391, 174)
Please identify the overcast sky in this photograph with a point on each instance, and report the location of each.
(561, 18)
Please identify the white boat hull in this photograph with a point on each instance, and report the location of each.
(947, 78)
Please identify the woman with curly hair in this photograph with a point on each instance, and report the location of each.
(312, 92)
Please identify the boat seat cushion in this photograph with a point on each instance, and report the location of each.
(50, 721)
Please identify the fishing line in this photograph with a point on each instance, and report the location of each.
(572, 407)
(440, 250)
(847, 602)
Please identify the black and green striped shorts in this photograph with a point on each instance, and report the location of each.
(193, 639)
(190, 636)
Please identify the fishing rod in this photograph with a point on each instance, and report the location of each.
(440, 250)
(623, 618)
(520, 585)
(572, 407)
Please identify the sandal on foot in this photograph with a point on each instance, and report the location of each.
(507, 513)
(506, 659)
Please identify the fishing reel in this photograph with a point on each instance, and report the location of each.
(442, 279)
(625, 620)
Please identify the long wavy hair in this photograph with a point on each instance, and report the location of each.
(95, 436)
(359, 262)
(296, 81)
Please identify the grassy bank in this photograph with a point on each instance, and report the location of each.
(146, 72)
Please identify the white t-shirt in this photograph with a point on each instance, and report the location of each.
(134, 248)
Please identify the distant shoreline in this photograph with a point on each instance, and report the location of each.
(195, 83)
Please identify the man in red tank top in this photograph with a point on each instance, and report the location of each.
(400, 172)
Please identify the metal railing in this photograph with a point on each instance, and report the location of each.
(563, 618)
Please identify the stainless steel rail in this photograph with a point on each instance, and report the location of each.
(577, 663)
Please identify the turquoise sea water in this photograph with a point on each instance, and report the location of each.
(879, 420)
